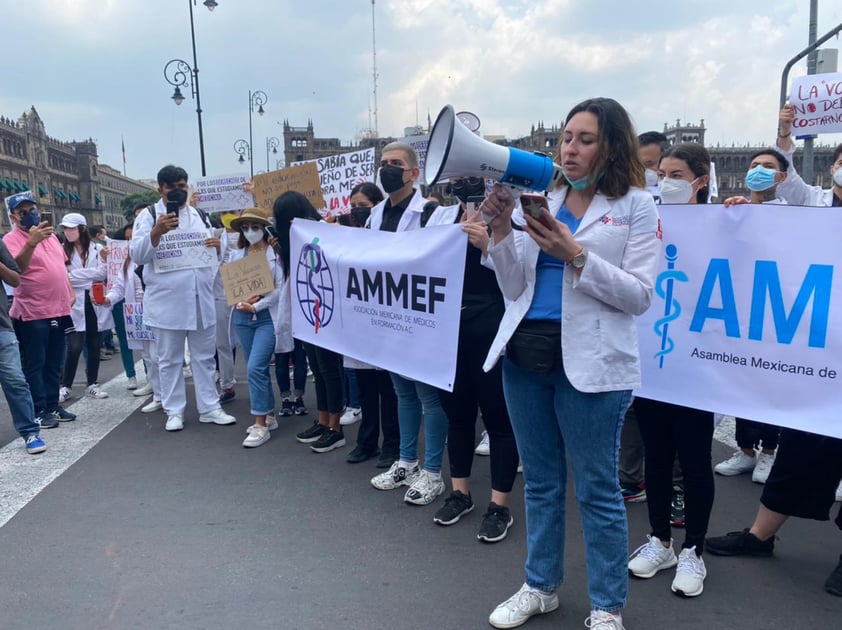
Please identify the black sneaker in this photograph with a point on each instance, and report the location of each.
(834, 582)
(495, 523)
(361, 454)
(386, 460)
(286, 408)
(677, 506)
(63, 415)
(311, 434)
(742, 543)
(328, 441)
(227, 395)
(298, 407)
(47, 420)
(455, 507)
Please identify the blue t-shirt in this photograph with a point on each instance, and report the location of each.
(549, 275)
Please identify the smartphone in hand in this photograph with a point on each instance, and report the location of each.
(271, 232)
(533, 204)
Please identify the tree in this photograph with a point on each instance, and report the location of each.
(128, 202)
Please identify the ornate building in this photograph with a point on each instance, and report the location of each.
(63, 176)
(301, 143)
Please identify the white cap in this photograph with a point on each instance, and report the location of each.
(72, 220)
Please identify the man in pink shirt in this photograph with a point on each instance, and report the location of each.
(41, 307)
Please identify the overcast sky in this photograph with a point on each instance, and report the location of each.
(95, 67)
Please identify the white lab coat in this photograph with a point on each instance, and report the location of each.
(797, 192)
(82, 276)
(598, 333)
(172, 298)
(410, 220)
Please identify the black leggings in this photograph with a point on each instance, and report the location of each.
(380, 412)
(326, 366)
(474, 388)
(90, 337)
(668, 429)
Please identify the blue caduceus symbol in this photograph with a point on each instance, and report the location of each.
(672, 309)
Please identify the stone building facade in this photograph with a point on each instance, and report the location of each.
(63, 176)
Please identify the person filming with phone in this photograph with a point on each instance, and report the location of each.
(576, 276)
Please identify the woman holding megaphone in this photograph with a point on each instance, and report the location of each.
(576, 276)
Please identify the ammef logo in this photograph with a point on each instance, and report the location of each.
(314, 286)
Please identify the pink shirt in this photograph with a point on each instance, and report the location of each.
(44, 291)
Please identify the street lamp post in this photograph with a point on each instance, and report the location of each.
(243, 148)
(182, 74)
(257, 99)
(272, 145)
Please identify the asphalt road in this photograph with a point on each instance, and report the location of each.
(148, 529)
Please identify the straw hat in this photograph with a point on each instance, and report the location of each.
(252, 215)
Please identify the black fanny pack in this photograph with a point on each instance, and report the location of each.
(536, 345)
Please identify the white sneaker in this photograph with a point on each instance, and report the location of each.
(271, 424)
(395, 477)
(155, 405)
(257, 435)
(352, 415)
(64, 394)
(143, 391)
(650, 558)
(483, 448)
(425, 489)
(738, 464)
(188, 371)
(690, 575)
(175, 422)
(95, 392)
(517, 610)
(131, 383)
(763, 467)
(217, 416)
(601, 620)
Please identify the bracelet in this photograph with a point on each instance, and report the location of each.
(785, 136)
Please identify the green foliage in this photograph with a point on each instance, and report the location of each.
(128, 202)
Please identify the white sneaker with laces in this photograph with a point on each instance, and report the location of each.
(764, 465)
(257, 435)
(425, 488)
(652, 557)
(352, 415)
(690, 575)
(739, 463)
(131, 383)
(175, 422)
(524, 604)
(217, 416)
(143, 391)
(395, 477)
(64, 394)
(601, 620)
(94, 391)
(484, 447)
(271, 424)
(155, 405)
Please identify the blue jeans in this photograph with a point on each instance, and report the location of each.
(299, 371)
(14, 386)
(258, 339)
(416, 401)
(352, 392)
(551, 420)
(126, 355)
(42, 345)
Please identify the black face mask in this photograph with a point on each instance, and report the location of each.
(467, 188)
(392, 178)
(175, 199)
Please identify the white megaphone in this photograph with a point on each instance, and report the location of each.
(456, 151)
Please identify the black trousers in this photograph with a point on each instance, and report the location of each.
(380, 412)
(668, 430)
(472, 389)
(91, 338)
(753, 434)
(326, 366)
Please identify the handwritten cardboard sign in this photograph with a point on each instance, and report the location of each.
(303, 178)
(817, 100)
(183, 249)
(223, 193)
(245, 278)
(118, 251)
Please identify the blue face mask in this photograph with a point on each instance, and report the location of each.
(760, 178)
(30, 219)
(582, 182)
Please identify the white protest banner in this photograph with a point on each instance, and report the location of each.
(223, 193)
(742, 321)
(390, 299)
(136, 330)
(817, 100)
(181, 249)
(338, 174)
(419, 143)
(118, 251)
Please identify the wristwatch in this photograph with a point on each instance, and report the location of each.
(578, 261)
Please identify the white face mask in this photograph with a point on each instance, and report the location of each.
(676, 190)
(651, 177)
(253, 235)
(71, 236)
(837, 177)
